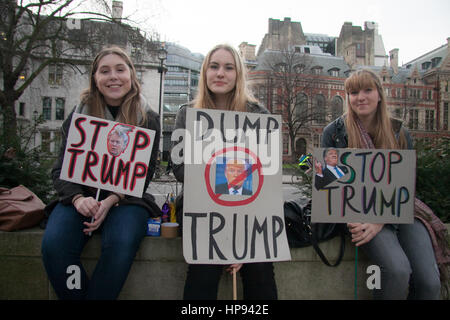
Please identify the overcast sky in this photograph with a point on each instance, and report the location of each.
(413, 26)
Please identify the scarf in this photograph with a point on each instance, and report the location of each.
(435, 227)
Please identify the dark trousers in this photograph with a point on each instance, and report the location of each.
(258, 280)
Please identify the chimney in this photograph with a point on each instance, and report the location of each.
(393, 57)
(117, 9)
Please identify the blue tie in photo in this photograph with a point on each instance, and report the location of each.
(338, 172)
(235, 191)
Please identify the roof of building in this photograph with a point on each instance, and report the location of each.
(326, 61)
(434, 58)
(318, 37)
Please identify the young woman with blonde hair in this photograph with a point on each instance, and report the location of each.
(113, 94)
(223, 86)
(404, 252)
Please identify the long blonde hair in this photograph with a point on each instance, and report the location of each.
(383, 134)
(240, 95)
(131, 104)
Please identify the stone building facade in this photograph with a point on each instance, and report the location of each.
(282, 34)
(361, 47)
(56, 91)
(417, 92)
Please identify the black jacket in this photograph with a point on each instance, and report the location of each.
(66, 190)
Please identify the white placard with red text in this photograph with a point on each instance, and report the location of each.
(107, 155)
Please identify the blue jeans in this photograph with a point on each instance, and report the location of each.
(64, 240)
(407, 262)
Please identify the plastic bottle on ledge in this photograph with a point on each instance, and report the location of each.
(165, 212)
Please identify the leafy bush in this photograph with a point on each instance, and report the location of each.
(433, 176)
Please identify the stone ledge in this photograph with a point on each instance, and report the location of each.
(159, 263)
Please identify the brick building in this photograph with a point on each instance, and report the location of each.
(417, 92)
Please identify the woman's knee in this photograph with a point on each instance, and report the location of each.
(62, 233)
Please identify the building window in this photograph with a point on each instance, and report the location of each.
(337, 108)
(429, 120)
(316, 141)
(60, 106)
(360, 50)
(445, 115)
(45, 145)
(413, 119)
(47, 108)
(334, 72)
(301, 106)
(55, 74)
(399, 92)
(58, 141)
(139, 75)
(22, 109)
(435, 61)
(299, 68)
(320, 109)
(317, 70)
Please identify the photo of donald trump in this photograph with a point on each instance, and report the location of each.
(233, 177)
(117, 140)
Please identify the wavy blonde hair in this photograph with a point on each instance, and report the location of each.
(238, 97)
(383, 135)
(131, 104)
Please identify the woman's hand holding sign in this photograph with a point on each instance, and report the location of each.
(362, 233)
(100, 215)
(87, 206)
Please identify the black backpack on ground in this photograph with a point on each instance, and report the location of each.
(302, 233)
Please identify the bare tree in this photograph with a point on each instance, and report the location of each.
(292, 80)
(37, 33)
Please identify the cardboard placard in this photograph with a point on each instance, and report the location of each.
(370, 185)
(107, 155)
(233, 201)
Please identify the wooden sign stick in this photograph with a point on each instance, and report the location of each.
(96, 199)
(234, 285)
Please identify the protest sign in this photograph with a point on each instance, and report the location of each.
(107, 155)
(233, 201)
(363, 185)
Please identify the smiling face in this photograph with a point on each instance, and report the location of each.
(221, 73)
(113, 79)
(364, 102)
